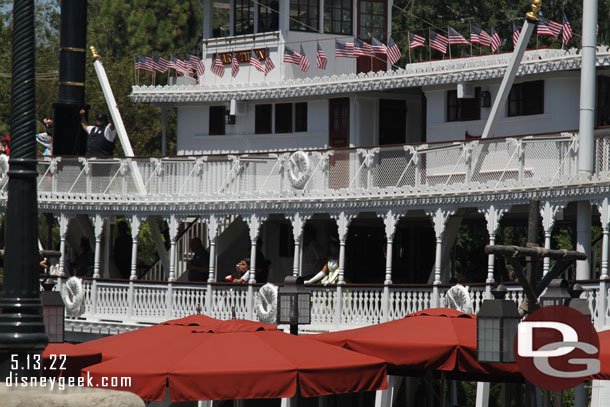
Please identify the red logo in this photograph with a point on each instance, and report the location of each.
(557, 348)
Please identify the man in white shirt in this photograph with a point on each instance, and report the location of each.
(101, 136)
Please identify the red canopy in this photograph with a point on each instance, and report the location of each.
(438, 339)
(67, 360)
(234, 359)
(156, 335)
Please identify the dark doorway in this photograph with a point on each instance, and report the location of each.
(392, 121)
(364, 254)
(338, 137)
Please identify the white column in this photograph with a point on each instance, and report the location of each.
(254, 224)
(548, 212)
(439, 218)
(602, 299)
(583, 239)
(164, 128)
(493, 214)
(298, 223)
(389, 219)
(212, 235)
(343, 220)
(173, 224)
(98, 223)
(63, 232)
(136, 222)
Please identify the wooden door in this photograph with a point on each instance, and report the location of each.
(338, 137)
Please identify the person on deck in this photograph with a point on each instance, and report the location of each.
(101, 136)
(330, 272)
(243, 269)
(199, 265)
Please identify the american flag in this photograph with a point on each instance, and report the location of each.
(255, 62)
(342, 50)
(234, 65)
(195, 64)
(160, 64)
(456, 38)
(303, 61)
(321, 58)
(516, 33)
(496, 41)
(479, 36)
(178, 64)
(268, 63)
(567, 30)
(394, 53)
(438, 42)
(218, 67)
(291, 56)
(144, 63)
(548, 27)
(416, 41)
(362, 48)
(378, 46)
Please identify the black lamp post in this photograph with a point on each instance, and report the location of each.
(294, 304)
(497, 323)
(22, 332)
(579, 304)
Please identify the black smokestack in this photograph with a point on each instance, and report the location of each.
(68, 137)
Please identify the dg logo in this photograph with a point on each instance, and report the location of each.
(557, 348)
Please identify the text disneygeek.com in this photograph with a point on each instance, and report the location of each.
(14, 380)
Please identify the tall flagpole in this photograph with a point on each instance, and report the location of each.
(448, 42)
(471, 52)
(429, 47)
(409, 38)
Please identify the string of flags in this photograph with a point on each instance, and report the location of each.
(193, 66)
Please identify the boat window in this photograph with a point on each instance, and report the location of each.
(283, 118)
(526, 98)
(268, 15)
(338, 16)
(464, 109)
(244, 17)
(304, 15)
(300, 116)
(262, 119)
(221, 18)
(217, 121)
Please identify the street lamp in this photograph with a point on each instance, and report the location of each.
(497, 323)
(555, 294)
(294, 306)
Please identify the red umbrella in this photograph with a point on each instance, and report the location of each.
(67, 360)
(237, 359)
(438, 339)
(153, 336)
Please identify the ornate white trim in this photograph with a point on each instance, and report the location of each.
(414, 75)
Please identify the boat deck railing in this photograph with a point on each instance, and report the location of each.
(460, 167)
(345, 306)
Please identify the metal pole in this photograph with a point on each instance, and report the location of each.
(22, 330)
(509, 77)
(587, 88)
(117, 120)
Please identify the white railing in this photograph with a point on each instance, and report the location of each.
(456, 167)
(359, 305)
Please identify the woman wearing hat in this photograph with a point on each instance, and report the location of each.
(101, 136)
